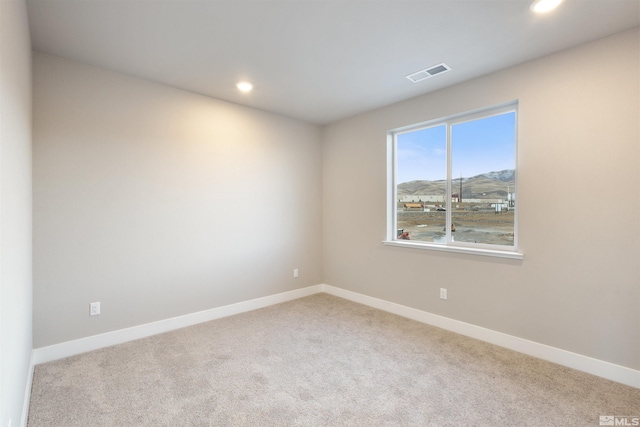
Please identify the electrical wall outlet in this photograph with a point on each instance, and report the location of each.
(443, 293)
(295, 272)
(94, 309)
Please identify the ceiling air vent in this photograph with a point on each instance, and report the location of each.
(418, 76)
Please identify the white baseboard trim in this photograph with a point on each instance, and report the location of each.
(610, 371)
(95, 342)
(27, 391)
(576, 361)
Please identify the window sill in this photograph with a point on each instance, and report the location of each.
(454, 249)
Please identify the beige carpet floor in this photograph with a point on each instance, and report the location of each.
(318, 361)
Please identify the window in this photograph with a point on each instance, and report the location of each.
(452, 183)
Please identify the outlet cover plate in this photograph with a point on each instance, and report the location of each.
(94, 309)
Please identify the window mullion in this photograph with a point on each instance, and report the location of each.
(448, 187)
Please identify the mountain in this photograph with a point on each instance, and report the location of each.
(491, 185)
(506, 175)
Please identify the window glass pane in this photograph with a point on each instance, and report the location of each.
(483, 180)
(422, 184)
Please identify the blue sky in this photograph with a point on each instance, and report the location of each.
(478, 146)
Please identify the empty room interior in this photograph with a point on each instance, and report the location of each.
(319, 246)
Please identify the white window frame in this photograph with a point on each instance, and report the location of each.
(501, 251)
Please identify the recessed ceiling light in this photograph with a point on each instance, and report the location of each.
(244, 86)
(542, 6)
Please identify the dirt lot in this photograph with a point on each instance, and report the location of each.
(479, 227)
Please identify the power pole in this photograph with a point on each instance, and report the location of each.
(460, 193)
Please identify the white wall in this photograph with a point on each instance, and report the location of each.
(578, 288)
(15, 209)
(140, 201)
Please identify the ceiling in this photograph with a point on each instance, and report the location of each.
(319, 61)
